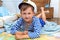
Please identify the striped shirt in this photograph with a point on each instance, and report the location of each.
(33, 30)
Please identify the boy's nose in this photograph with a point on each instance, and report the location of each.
(27, 16)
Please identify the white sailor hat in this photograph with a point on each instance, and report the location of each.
(29, 3)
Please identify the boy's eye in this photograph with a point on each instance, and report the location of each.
(28, 13)
(24, 13)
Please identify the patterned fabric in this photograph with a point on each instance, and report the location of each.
(33, 30)
(42, 22)
(5, 36)
(50, 28)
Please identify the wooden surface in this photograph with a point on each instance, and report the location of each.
(42, 3)
(50, 14)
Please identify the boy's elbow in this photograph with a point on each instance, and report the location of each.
(11, 32)
(34, 35)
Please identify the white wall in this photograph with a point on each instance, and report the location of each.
(59, 9)
(55, 4)
(12, 5)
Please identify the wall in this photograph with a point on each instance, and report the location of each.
(12, 5)
(59, 9)
(55, 4)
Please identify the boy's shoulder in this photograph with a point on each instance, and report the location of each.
(35, 18)
(20, 19)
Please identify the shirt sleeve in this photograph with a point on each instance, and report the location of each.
(15, 26)
(42, 22)
(37, 29)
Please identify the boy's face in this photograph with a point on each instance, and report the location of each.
(27, 14)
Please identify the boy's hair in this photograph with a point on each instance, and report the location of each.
(24, 6)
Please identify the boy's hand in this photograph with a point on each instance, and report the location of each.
(20, 33)
(25, 32)
(43, 14)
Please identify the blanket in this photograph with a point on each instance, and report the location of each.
(49, 29)
(5, 36)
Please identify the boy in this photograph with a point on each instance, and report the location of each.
(27, 26)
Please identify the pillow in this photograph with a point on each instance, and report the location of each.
(8, 21)
(10, 18)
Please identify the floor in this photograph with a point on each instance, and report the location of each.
(57, 20)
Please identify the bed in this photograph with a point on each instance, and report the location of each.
(50, 31)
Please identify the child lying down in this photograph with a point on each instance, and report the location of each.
(28, 25)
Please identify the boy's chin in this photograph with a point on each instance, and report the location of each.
(27, 21)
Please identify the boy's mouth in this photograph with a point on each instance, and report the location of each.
(26, 18)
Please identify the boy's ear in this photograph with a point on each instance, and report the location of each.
(34, 14)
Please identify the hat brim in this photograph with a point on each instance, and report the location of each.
(20, 5)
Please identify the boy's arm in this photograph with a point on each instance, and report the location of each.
(21, 35)
(37, 29)
(15, 26)
(39, 15)
(28, 34)
(43, 14)
(35, 33)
